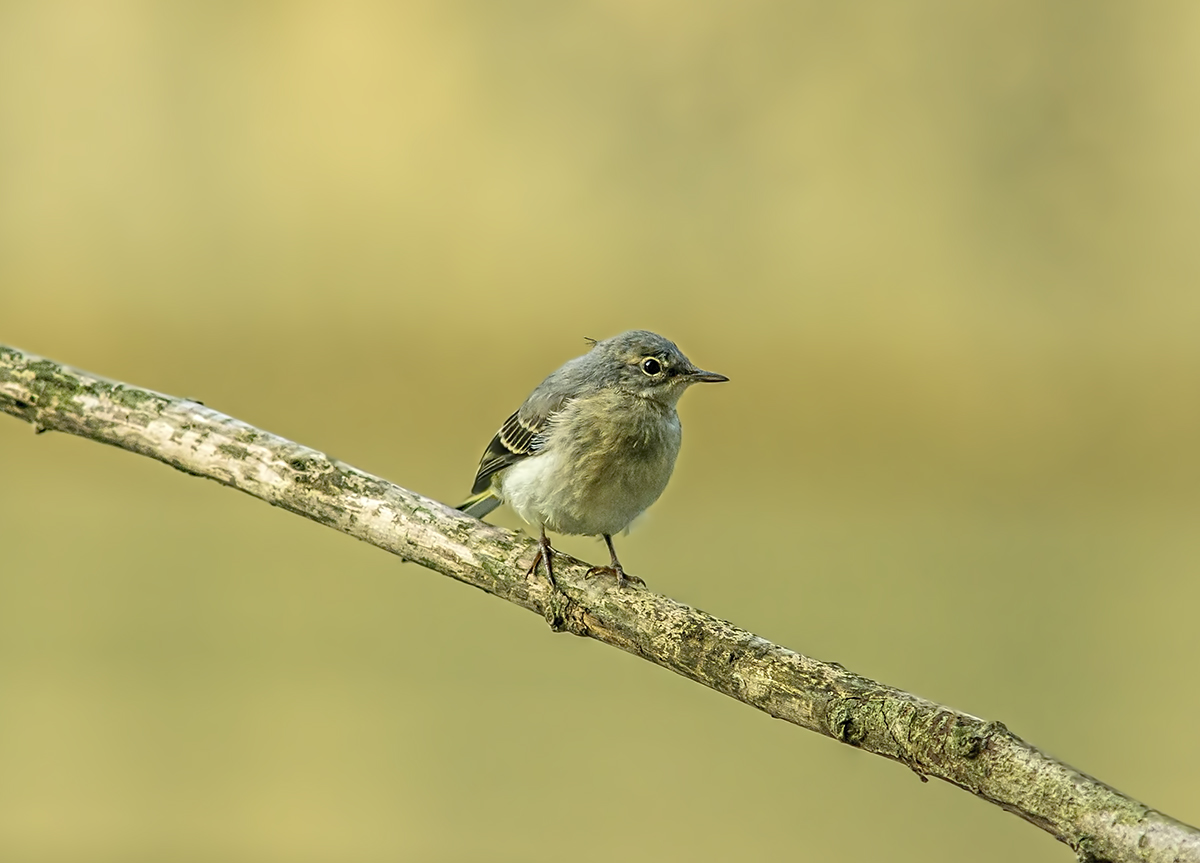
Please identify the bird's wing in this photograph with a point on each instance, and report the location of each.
(517, 439)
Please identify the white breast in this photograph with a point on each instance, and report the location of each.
(575, 486)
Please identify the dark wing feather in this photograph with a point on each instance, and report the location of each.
(520, 436)
(513, 442)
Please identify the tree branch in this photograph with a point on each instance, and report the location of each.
(982, 757)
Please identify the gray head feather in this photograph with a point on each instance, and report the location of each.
(638, 362)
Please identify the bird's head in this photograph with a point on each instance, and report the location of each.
(647, 365)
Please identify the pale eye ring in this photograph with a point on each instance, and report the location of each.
(651, 366)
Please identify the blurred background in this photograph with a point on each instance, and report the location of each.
(947, 255)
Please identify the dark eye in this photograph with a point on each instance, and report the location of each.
(651, 366)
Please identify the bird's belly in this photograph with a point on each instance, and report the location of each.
(613, 498)
(590, 496)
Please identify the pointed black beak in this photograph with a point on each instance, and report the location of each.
(703, 377)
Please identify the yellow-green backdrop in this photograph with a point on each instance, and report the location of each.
(947, 253)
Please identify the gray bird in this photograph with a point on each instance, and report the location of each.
(593, 446)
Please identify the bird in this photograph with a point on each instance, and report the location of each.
(593, 446)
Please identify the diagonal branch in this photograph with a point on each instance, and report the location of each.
(982, 757)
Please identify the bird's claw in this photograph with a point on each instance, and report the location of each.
(544, 555)
(621, 575)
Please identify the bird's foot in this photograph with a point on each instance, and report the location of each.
(621, 575)
(555, 600)
(545, 555)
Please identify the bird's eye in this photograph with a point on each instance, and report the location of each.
(651, 366)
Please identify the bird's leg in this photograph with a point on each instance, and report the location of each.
(544, 555)
(615, 568)
(555, 600)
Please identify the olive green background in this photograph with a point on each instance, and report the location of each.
(947, 254)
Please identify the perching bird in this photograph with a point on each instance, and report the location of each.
(593, 446)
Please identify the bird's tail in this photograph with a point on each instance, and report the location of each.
(481, 504)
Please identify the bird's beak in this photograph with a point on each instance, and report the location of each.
(702, 377)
